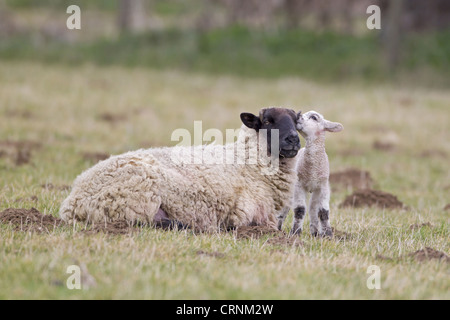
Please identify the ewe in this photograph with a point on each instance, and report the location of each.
(313, 174)
(158, 186)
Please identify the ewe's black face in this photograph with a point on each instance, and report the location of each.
(281, 119)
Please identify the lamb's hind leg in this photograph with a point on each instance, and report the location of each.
(319, 212)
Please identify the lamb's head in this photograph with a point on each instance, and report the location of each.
(281, 119)
(313, 123)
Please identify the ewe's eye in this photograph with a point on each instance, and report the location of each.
(267, 122)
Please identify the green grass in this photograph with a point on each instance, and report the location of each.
(323, 56)
(60, 106)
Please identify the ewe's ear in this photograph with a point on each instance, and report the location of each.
(251, 121)
(333, 126)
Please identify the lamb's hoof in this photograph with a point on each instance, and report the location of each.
(327, 234)
(314, 233)
(296, 232)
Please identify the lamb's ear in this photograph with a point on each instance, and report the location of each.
(333, 126)
(251, 121)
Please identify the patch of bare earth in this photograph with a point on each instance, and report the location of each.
(447, 207)
(214, 254)
(113, 228)
(253, 232)
(423, 255)
(418, 226)
(433, 153)
(341, 235)
(19, 152)
(27, 199)
(24, 114)
(29, 220)
(351, 178)
(372, 198)
(285, 240)
(275, 237)
(428, 254)
(384, 258)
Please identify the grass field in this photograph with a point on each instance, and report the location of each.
(64, 113)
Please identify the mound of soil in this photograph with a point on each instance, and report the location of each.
(19, 152)
(429, 254)
(433, 153)
(417, 226)
(426, 254)
(351, 152)
(370, 198)
(29, 220)
(118, 227)
(34, 221)
(50, 186)
(351, 178)
(112, 118)
(447, 207)
(384, 146)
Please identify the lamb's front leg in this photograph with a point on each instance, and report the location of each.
(299, 209)
(282, 216)
(319, 212)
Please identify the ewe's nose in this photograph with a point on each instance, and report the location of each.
(293, 139)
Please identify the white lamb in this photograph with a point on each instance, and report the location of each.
(313, 176)
(157, 185)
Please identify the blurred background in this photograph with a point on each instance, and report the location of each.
(322, 40)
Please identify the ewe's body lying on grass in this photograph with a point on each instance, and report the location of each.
(313, 176)
(156, 184)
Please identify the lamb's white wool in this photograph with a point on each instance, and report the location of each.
(134, 186)
(313, 175)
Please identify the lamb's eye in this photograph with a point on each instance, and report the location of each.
(314, 118)
(267, 122)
